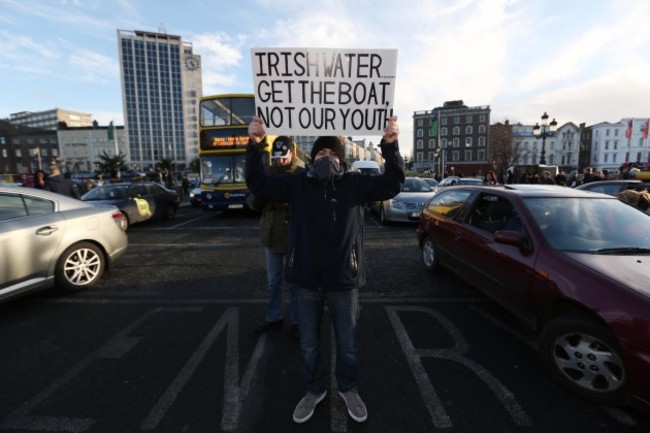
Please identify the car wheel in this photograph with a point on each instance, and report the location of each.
(170, 212)
(584, 356)
(429, 256)
(79, 267)
(124, 222)
(382, 214)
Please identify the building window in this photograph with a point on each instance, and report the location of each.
(443, 143)
(481, 141)
(456, 142)
(432, 143)
(468, 119)
(481, 118)
(456, 130)
(456, 120)
(420, 144)
(420, 123)
(420, 133)
(443, 120)
(18, 153)
(443, 131)
(468, 155)
(468, 141)
(419, 156)
(430, 156)
(469, 129)
(481, 129)
(455, 156)
(480, 155)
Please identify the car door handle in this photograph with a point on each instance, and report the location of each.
(46, 231)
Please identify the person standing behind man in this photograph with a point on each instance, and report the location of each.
(326, 259)
(274, 232)
(55, 182)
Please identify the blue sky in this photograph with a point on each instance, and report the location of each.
(581, 61)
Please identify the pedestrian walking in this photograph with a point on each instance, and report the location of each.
(325, 252)
(56, 182)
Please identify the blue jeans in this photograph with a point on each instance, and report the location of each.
(344, 313)
(275, 272)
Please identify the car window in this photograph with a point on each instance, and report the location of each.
(138, 190)
(16, 206)
(413, 184)
(448, 203)
(38, 206)
(11, 206)
(492, 213)
(470, 181)
(589, 224)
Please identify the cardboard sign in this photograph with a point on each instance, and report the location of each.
(324, 91)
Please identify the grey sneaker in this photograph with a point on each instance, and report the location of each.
(356, 406)
(306, 406)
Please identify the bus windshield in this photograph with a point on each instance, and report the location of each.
(223, 169)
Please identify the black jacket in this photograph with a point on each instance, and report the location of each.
(59, 184)
(325, 250)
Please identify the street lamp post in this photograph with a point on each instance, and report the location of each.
(542, 131)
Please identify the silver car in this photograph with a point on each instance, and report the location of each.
(50, 240)
(407, 205)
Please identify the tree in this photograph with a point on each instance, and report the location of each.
(195, 165)
(108, 164)
(167, 167)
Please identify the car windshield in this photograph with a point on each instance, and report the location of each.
(107, 192)
(591, 225)
(414, 184)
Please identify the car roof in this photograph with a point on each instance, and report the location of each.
(534, 190)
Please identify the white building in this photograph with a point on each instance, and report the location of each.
(50, 119)
(561, 148)
(80, 148)
(610, 147)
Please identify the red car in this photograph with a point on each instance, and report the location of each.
(574, 266)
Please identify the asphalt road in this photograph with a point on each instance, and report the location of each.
(166, 344)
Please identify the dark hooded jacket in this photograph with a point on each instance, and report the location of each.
(274, 223)
(325, 250)
(59, 184)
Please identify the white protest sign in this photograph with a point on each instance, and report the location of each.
(324, 91)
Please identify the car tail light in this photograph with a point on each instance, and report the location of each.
(117, 217)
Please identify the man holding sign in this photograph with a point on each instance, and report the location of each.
(325, 258)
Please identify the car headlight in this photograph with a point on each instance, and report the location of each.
(395, 204)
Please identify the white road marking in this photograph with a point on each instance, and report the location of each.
(115, 347)
(456, 353)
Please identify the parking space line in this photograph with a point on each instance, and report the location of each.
(456, 353)
(20, 418)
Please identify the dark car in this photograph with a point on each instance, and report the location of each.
(195, 195)
(572, 265)
(139, 201)
(613, 187)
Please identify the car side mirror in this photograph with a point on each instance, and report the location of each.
(508, 237)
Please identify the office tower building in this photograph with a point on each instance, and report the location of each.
(161, 88)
